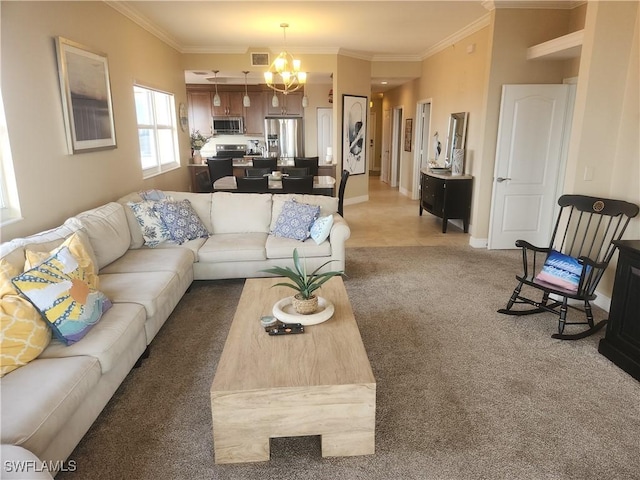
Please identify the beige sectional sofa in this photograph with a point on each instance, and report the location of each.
(50, 403)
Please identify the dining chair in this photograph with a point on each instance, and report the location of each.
(297, 184)
(257, 172)
(309, 162)
(265, 162)
(202, 181)
(343, 184)
(219, 167)
(295, 171)
(252, 184)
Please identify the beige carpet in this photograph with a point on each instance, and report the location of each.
(462, 391)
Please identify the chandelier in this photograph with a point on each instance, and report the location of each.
(287, 69)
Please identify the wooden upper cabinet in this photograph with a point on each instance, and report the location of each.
(290, 104)
(254, 115)
(230, 104)
(200, 112)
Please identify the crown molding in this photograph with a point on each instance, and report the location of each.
(459, 35)
(533, 4)
(134, 16)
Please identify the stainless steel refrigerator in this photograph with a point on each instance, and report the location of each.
(284, 137)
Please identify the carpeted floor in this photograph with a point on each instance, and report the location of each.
(462, 391)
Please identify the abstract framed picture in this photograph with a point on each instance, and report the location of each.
(408, 133)
(86, 97)
(354, 132)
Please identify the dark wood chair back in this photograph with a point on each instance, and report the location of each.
(343, 184)
(295, 171)
(307, 162)
(297, 184)
(219, 167)
(265, 162)
(257, 172)
(252, 184)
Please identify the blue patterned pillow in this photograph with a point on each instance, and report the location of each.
(561, 271)
(181, 220)
(59, 288)
(295, 220)
(153, 229)
(321, 229)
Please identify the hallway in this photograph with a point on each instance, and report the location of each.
(391, 219)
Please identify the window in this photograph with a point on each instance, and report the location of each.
(9, 203)
(157, 131)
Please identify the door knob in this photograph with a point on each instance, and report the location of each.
(502, 179)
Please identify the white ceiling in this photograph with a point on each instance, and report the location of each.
(374, 30)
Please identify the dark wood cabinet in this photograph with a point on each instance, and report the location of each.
(200, 104)
(254, 115)
(290, 104)
(446, 196)
(230, 104)
(621, 343)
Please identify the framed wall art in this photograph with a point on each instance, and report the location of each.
(86, 97)
(408, 133)
(354, 132)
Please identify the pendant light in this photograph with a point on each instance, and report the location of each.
(274, 101)
(305, 99)
(246, 101)
(216, 97)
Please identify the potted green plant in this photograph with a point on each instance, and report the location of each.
(305, 301)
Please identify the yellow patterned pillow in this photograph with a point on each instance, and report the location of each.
(78, 249)
(23, 332)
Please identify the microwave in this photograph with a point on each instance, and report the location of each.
(228, 125)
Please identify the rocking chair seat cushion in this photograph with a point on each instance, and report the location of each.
(561, 270)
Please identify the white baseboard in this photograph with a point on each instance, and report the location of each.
(354, 200)
(478, 242)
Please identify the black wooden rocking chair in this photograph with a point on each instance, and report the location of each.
(585, 229)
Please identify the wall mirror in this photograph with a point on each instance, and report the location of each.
(457, 135)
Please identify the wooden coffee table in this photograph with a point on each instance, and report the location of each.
(315, 383)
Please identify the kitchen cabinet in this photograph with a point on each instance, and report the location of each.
(446, 196)
(254, 115)
(200, 112)
(230, 104)
(621, 343)
(290, 104)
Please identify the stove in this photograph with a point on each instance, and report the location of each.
(233, 151)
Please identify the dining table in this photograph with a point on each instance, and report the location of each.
(322, 185)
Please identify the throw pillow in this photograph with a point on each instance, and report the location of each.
(181, 220)
(321, 229)
(80, 251)
(295, 220)
(153, 229)
(153, 195)
(561, 270)
(23, 333)
(59, 289)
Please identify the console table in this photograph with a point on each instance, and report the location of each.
(446, 196)
(621, 343)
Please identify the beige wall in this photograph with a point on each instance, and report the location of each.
(352, 77)
(52, 184)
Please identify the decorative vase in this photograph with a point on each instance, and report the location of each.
(197, 158)
(305, 306)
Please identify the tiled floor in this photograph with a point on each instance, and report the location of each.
(391, 219)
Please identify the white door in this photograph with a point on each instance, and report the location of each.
(325, 132)
(421, 155)
(386, 146)
(396, 133)
(371, 135)
(529, 156)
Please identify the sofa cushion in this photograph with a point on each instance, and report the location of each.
(108, 231)
(278, 247)
(153, 229)
(39, 398)
(135, 233)
(178, 260)
(328, 205)
(240, 212)
(23, 333)
(60, 291)
(149, 289)
(201, 204)
(295, 220)
(321, 229)
(181, 220)
(108, 340)
(233, 247)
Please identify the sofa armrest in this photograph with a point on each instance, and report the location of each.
(338, 236)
